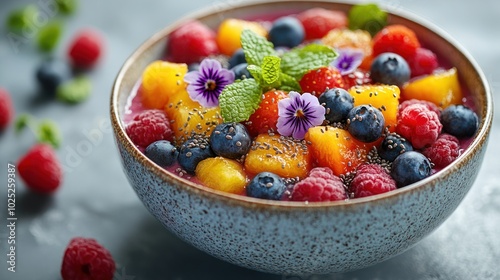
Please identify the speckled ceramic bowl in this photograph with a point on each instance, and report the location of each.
(290, 237)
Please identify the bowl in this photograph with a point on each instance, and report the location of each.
(293, 238)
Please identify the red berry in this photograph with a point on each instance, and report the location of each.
(397, 39)
(319, 80)
(40, 169)
(357, 78)
(86, 259)
(149, 126)
(191, 42)
(85, 49)
(318, 22)
(424, 62)
(371, 179)
(419, 125)
(265, 118)
(431, 106)
(444, 151)
(320, 185)
(6, 109)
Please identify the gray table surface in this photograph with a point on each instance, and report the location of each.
(96, 200)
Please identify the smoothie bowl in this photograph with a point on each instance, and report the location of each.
(293, 149)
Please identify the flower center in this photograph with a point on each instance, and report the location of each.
(210, 85)
(299, 113)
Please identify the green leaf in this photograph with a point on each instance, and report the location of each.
(256, 47)
(301, 60)
(271, 71)
(367, 17)
(49, 36)
(256, 72)
(74, 91)
(23, 121)
(239, 100)
(67, 6)
(20, 19)
(48, 132)
(288, 83)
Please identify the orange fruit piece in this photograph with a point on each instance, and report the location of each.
(188, 117)
(351, 39)
(280, 155)
(383, 97)
(442, 89)
(229, 32)
(160, 80)
(336, 148)
(222, 174)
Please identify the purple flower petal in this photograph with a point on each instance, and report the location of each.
(206, 84)
(298, 113)
(348, 60)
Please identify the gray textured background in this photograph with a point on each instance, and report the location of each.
(97, 201)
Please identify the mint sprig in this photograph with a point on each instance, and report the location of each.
(45, 131)
(75, 90)
(239, 100)
(299, 61)
(256, 47)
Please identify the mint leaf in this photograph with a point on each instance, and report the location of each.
(74, 91)
(49, 35)
(23, 121)
(271, 71)
(21, 19)
(256, 47)
(367, 17)
(239, 100)
(48, 132)
(67, 6)
(256, 72)
(299, 61)
(288, 83)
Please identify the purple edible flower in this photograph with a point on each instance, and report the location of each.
(297, 113)
(348, 60)
(206, 84)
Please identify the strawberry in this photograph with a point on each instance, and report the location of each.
(318, 22)
(85, 49)
(357, 78)
(397, 39)
(318, 80)
(40, 169)
(191, 42)
(6, 109)
(265, 118)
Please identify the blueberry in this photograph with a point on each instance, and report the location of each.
(195, 66)
(241, 72)
(192, 152)
(230, 140)
(162, 152)
(286, 32)
(390, 68)
(409, 168)
(338, 102)
(266, 185)
(51, 73)
(392, 146)
(365, 123)
(459, 121)
(238, 57)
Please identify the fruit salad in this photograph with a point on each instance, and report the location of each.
(319, 105)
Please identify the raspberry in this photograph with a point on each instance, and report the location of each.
(371, 179)
(442, 152)
(6, 109)
(318, 22)
(357, 78)
(424, 62)
(85, 49)
(397, 39)
(430, 106)
(319, 80)
(265, 118)
(419, 125)
(86, 259)
(191, 42)
(149, 126)
(40, 169)
(320, 185)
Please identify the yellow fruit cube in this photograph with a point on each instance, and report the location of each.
(280, 155)
(160, 80)
(222, 174)
(229, 33)
(442, 89)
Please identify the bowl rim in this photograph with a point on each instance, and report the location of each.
(480, 139)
